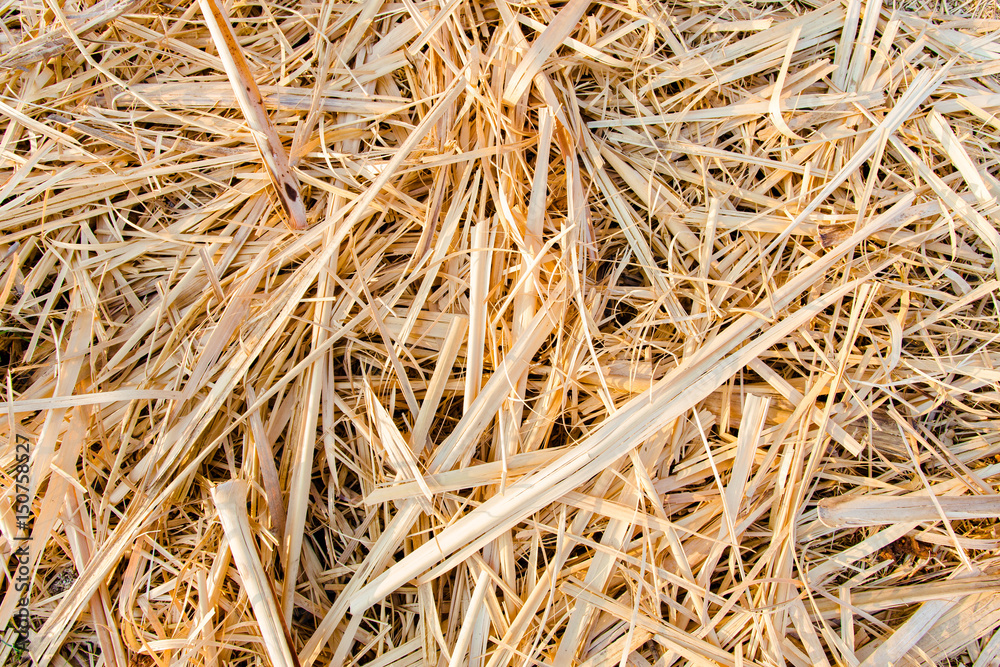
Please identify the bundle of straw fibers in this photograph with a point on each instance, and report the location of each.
(441, 332)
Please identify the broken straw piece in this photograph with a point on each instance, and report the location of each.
(546, 42)
(855, 511)
(231, 503)
(252, 105)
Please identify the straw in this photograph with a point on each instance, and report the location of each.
(501, 334)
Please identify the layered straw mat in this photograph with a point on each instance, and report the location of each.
(489, 332)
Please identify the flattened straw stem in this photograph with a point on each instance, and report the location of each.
(286, 185)
(230, 501)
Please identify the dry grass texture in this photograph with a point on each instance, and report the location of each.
(618, 333)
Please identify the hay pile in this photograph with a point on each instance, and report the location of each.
(619, 333)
